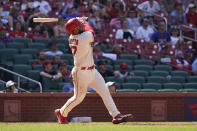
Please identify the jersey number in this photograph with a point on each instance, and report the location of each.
(74, 49)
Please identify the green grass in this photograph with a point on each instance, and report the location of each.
(93, 126)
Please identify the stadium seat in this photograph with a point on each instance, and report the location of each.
(114, 79)
(16, 45)
(143, 62)
(22, 59)
(21, 69)
(143, 67)
(22, 40)
(176, 79)
(30, 51)
(69, 67)
(38, 46)
(66, 56)
(61, 85)
(135, 79)
(2, 86)
(117, 62)
(155, 79)
(62, 47)
(176, 86)
(163, 68)
(62, 40)
(1, 45)
(155, 86)
(50, 85)
(37, 67)
(147, 90)
(128, 57)
(126, 90)
(46, 41)
(110, 67)
(167, 90)
(133, 86)
(192, 79)
(49, 57)
(190, 85)
(179, 73)
(7, 56)
(141, 73)
(159, 73)
(35, 75)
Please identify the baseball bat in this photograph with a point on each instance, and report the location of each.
(45, 19)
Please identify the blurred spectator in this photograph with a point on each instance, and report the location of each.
(47, 30)
(188, 54)
(102, 69)
(178, 14)
(124, 32)
(60, 30)
(45, 7)
(123, 72)
(97, 51)
(192, 15)
(194, 66)
(48, 71)
(4, 36)
(41, 58)
(115, 23)
(118, 50)
(17, 32)
(69, 13)
(95, 21)
(178, 46)
(115, 11)
(174, 36)
(181, 63)
(56, 60)
(148, 7)
(168, 5)
(111, 86)
(161, 36)
(68, 87)
(163, 56)
(15, 16)
(145, 31)
(62, 70)
(11, 87)
(133, 20)
(53, 49)
(36, 33)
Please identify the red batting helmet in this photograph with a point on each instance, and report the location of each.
(72, 24)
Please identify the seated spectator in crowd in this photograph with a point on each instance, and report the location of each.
(41, 58)
(123, 72)
(181, 63)
(174, 36)
(178, 14)
(148, 7)
(48, 71)
(133, 20)
(63, 71)
(161, 36)
(124, 32)
(115, 23)
(192, 15)
(36, 33)
(118, 50)
(102, 69)
(95, 21)
(188, 54)
(194, 66)
(45, 7)
(17, 32)
(97, 51)
(47, 30)
(4, 38)
(111, 86)
(53, 49)
(11, 87)
(56, 60)
(145, 31)
(69, 13)
(178, 46)
(163, 56)
(60, 30)
(68, 87)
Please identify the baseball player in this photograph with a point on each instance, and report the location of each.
(84, 73)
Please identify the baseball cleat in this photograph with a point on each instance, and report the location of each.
(61, 119)
(122, 118)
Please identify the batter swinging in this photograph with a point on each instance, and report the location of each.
(84, 73)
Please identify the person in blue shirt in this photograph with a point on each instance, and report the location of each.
(68, 87)
(161, 36)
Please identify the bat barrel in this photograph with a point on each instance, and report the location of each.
(45, 19)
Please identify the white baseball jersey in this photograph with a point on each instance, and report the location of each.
(81, 46)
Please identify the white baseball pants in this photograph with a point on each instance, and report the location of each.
(82, 79)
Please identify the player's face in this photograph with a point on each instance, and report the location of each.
(78, 30)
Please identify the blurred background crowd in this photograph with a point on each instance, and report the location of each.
(149, 29)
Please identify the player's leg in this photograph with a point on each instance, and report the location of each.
(99, 86)
(80, 89)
